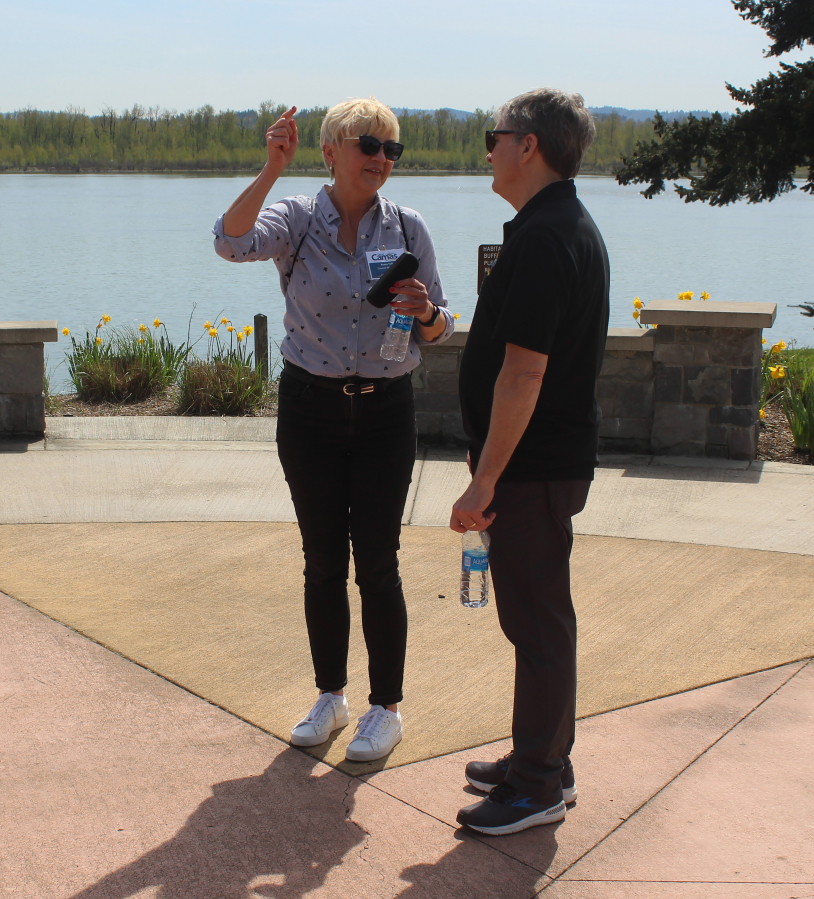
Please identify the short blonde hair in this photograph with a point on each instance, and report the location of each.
(355, 117)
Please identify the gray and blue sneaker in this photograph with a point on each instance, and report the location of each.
(505, 810)
(485, 776)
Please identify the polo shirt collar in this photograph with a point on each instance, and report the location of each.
(558, 190)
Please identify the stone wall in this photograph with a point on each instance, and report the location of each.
(688, 387)
(707, 362)
(435, 382)
(22, 373)
(707, 390)
(624, 391)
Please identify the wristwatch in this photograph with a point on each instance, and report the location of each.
(433, 319)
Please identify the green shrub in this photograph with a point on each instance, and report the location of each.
(126, 366)
(226, 381)
(798, 399)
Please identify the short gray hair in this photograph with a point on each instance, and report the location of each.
(563, 126)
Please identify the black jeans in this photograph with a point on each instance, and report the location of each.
(529, 557)
(349, 461)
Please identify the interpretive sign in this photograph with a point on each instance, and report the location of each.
(487, 256)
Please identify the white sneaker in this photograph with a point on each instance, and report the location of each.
(328, 714)
(378, 732)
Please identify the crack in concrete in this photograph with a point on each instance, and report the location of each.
(348, 817)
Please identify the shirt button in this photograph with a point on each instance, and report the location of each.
(353, 326)
(351, 358)
(356, 294)
(354, 262)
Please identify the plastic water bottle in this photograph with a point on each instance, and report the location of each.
(397, 336)
(475, 569)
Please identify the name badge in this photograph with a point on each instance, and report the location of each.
(378, 261)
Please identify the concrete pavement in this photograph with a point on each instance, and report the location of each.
(117, 783)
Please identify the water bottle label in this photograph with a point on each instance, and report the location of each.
(400, 322)
(475, 560)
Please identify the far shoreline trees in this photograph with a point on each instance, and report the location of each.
(151, 139)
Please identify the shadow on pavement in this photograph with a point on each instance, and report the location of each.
(277, 835)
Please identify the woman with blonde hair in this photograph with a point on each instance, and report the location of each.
(346, 421)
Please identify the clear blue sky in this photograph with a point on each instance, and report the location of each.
(421, 53)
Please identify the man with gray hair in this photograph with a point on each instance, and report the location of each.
(527, 386)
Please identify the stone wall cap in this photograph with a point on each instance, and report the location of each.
(709, 314)
(28, 332)
(630, 339)
(458, 336)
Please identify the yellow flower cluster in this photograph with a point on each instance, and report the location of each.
(686, 295)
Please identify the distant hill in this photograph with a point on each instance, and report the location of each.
(249, 116)
(641, 115)
(455, 113)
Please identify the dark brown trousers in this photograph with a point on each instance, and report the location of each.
(529, 558)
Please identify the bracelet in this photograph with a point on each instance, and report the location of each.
(433, 318)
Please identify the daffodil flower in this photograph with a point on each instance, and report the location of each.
(157, 322)
(141, 340)
(213, 332)
(240, 336)
(762, 414)
(456, 315)
(638, 303)
(142, 327)
(779, 346)
(224, 321)
(230, 328)
(105, 318)
(705, 295)
(248, 329)
(66, 332)
(778, 372)
(98, 340)
(763, 341)
(207, 325)
(636, 314)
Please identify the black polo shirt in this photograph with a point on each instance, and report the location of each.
(547, 292)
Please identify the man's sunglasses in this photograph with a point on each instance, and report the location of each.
(370, 146)
(491, 143)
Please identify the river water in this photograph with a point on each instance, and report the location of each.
(139, 246)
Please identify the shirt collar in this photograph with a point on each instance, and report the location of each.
(332, 217)
(557, 190)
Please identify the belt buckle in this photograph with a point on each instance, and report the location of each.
(350, 388)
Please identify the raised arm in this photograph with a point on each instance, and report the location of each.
(281, 144)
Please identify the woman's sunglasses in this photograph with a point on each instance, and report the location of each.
(491, 142)
(370, 146)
